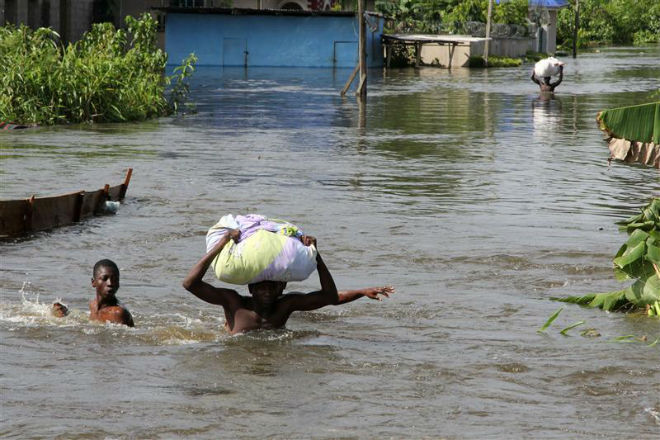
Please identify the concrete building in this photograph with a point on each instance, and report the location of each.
(447, 53)
(71, 18)
(544, 14)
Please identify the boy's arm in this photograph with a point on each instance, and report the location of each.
(346, 296)
(193, 282)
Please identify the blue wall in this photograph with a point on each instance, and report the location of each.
(286, 41)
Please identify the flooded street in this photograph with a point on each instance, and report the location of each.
(478, 200)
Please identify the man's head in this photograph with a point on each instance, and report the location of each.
(267, 291)
(105, 278)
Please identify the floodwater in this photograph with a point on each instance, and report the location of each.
(475, 198)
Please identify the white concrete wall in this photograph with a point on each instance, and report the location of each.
(447, 55)
(507, 47)
(433, 54)
(551, 33)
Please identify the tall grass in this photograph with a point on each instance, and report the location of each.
(109, 75)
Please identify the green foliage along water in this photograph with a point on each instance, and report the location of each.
(109, 75)
(601, 21)
(637, 259)
(447, 15)
(606, 22)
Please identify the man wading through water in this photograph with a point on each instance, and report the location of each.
(268, 307)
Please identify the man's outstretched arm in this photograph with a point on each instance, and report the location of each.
(346, 296)
(193, 282)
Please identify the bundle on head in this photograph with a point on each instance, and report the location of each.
(268, 249)
(547, 67)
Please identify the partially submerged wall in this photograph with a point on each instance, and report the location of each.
(450, 56)
(281, 39)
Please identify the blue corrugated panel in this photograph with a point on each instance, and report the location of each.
(270, 40)
(550, 4)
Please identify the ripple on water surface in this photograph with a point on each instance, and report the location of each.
(476, 198)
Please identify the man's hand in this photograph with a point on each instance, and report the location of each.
(373, 292)
(308, 240)
(377, 293)
(234, 234)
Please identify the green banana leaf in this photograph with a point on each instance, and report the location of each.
(631, 254)
(610, 301)
(638, 259)
(644, 292)
(652, 252)
(640, 123)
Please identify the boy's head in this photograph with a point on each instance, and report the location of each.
(105, 278)
(267, 291)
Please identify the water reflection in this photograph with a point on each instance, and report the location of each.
(546, 115)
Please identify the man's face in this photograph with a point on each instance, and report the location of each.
(267, 291)
(106, 282)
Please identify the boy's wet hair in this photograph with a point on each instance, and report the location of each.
(104, 263)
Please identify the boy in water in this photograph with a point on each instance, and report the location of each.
(105, 307)
(268, 308)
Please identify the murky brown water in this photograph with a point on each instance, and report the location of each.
(475, 198)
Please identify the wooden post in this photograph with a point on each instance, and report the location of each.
(575, 27)
(124, 186)
(27, 225)
(388, 54)
(361, 92)
(452, 49)
(77, 210)
(362, 117)
(350, 80)
(486, 44)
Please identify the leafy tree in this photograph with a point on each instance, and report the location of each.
(448, 15)
(610, 22)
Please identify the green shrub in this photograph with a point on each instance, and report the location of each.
(494, 61)
(109, 75)
(531, 55)
(645, 37)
